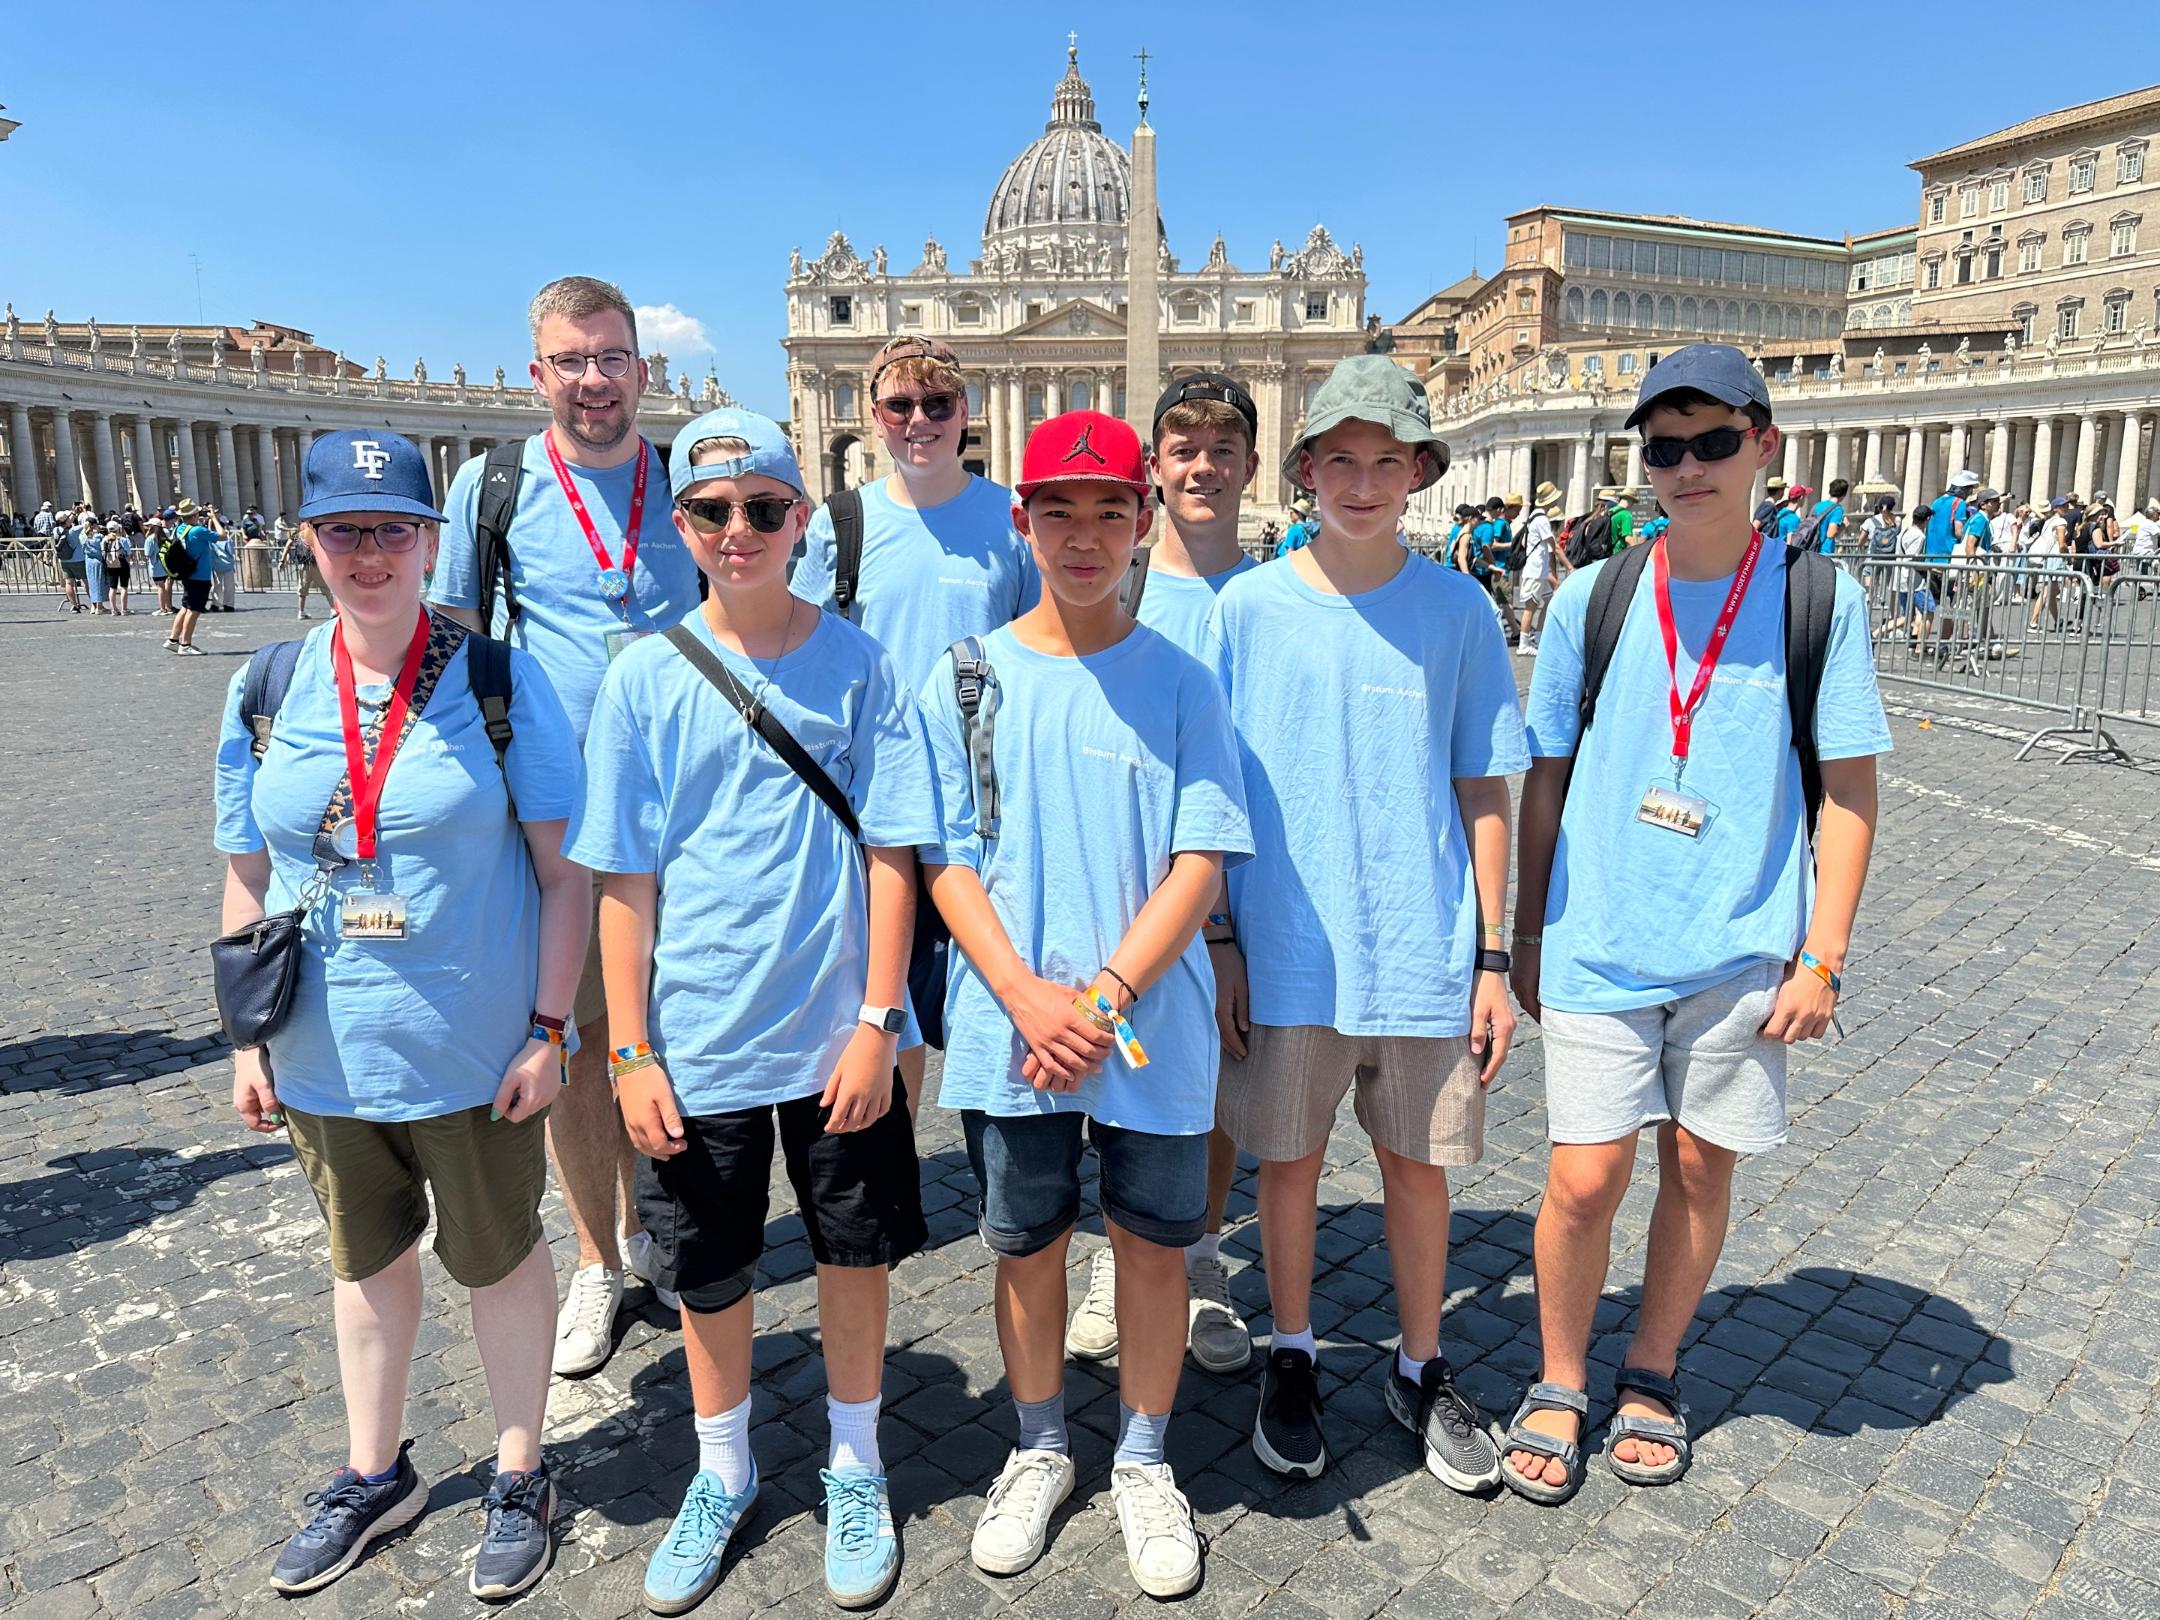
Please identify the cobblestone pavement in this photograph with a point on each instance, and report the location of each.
(1927, 1365)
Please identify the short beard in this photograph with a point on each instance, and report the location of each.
(565, 419)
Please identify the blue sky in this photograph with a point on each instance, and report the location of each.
(400, 178)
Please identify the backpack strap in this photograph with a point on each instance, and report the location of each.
(847, 526)
(499, 480)
(1134, 585)
(762, 721)
(1611, 594)
(1810, 594)
(487, 666)
(975, 689)
(262, 690)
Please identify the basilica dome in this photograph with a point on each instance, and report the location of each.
(1074, 176)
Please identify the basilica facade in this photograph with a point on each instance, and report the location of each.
(1039, 316)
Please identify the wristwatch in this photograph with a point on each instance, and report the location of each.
(1493, 961)
(892, 1020)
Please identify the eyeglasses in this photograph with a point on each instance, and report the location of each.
(341, 538)
(898, 409)
(765, 513)
(1719, 444)
(612, 363)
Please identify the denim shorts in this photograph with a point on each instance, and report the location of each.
(1028, 1166)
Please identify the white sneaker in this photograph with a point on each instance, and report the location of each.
(1161, 1547)
(1093, 1334)
(1015, 1519)
(1217, 1336)
(638, 1261)
(585, 1330)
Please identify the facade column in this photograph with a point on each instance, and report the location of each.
(2021, 449)
(1792, 459)
(1871, 463)
(146, 461)
(266, 481)
(465, 450)
(1053, 397)
(2043, 462)
(1954, 453)
(1015, 422)
(2088, 444)
(1915, 459)
(2127, 481)
(1833, 458)
(107, 476)
(22, 450)
(67, 472)
(1998, 473)
(1578, 490)
(190, 469)
(294, 447)
(228, 471)
(1634, 461)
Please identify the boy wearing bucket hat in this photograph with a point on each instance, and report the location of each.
(1377, 722)
(1089, 797)
(754, 949)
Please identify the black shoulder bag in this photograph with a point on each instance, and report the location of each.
(760, 720)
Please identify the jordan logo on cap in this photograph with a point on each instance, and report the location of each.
(1081, 447)
(370, 457)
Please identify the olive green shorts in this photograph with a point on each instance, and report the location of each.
(373, 1180)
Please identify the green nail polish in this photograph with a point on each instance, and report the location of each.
(494, 1113)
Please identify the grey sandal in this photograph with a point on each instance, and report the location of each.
(1568, 1453)
(1671, 1431)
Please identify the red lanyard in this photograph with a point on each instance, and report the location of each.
(366, 783)
(585, 522)
(1683, 714)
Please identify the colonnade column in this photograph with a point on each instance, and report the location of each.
(294, 447)
(2043, 461)
(1578, 488)
(1871, 465)
(1634, 461)
(190, 469)
(1998, 473)
(106, 477)
(67, 474)
(1833, 457)
(1915, 455)
(146, 460)
(2127, 482)
(22, 449)
(266, 470)
(1792, 459)
(2082, 478)
(228, 471)
(1954, 452)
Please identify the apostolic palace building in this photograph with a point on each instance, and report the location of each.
(2008, 326)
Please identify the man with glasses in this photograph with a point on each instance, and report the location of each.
(587, 561)
(920, 559)
(1673, 934)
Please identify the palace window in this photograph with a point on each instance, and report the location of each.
(1814, 323)
(1969, 199)
(975, 401)
(1994, 260)
(967, 313)
(1035, 402)
(1938, 207)
(1931, 276)
(2084, 170)
(2029, 252)
(2066, 318)
(2036, 184)
(1316, 306)
(1688, 316)
(2115, 313)
(1248, 312)
(843, 401)
(1666, 313)
(1598, 310)
(2075, 241)
(1690, 261)
(2122, 236)
(1998, 194)
(911, 314)
(2129, 163)
(840, 308)
(1623, 310)
(1186, 307)
(2023, 315)
(1627, 365)
(1573, 304)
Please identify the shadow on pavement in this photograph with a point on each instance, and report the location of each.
(98, 1196)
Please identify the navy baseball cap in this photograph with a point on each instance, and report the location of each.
(1216, 385)
(365, 470)
(1716, 369)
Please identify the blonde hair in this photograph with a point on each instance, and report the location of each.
(925, 369)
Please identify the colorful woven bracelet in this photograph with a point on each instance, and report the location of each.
(1821, 969)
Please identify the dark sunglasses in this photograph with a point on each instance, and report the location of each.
(342, 538)
(708, 515)
(1719, 444)
(896, 409)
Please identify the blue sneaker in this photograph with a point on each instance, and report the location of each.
(515, 1548)
(350, 1514)
(685, 1567)
(862, 1554)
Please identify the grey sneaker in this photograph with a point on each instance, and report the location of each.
(1217, 1336)
(350, 1514)
(1459, 1451)
(1093, 1333)
(516, 1547)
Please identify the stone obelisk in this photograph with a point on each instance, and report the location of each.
(1143, 277)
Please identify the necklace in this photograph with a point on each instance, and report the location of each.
(765, 672)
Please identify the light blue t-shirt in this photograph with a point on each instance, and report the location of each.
(1107, 766)
(930, 575)
(1788, 523)
(1979, 531)
(1649, 915)
(423, 1026)
(1826, 532)
(1947, 521)
(762, 947)
(1354, 717)
(563, 620)
(1176, 606)
(1295, 538)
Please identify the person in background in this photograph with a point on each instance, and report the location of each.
(224, 567)
(119, 566)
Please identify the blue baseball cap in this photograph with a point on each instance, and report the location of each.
(1716, 369)
(769, 453)
(366, 470)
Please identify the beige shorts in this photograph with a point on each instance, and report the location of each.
(1417, 1095)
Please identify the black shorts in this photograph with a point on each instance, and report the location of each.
(195, 594)
(860, 1194)
(928, 970)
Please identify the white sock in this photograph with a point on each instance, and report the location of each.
(854, 1434)
(1294, 1341)
(1207, 1246)
(724, 1446)
(1409, 1366)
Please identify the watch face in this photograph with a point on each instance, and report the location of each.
(894, 1021)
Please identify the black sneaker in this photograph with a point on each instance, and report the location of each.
(516, 1547)
(1459, 1451)
(349, 1514)
(1287, 1432)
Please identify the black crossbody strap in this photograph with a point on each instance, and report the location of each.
(762, 721)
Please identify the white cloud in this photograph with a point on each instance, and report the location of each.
(667, 330)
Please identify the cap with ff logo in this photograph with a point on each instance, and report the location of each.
(1082, 446)
(358, 470)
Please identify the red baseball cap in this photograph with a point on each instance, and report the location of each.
(1082, 446)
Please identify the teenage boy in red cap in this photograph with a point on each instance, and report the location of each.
(1089, 794)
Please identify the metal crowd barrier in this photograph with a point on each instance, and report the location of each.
(27, 569)
(2061, 636)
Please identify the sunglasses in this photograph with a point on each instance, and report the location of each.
(1719, 444)
(897, 409)
(342, 538)
(709, 515)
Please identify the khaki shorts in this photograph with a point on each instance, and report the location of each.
(1417, 1095)
(373, 1180)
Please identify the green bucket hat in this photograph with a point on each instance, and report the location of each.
(1373, 388)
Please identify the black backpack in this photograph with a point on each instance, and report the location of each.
(499, 481)
(1591, 540)
(487, 664)
(1810, 593)
(846, 510)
